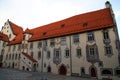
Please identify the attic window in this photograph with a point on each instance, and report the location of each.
(44, 33)
(85, 24)
(62, 25)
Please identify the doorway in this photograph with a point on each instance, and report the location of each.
(62, 70)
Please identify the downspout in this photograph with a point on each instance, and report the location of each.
(42, 58)
(70, 56)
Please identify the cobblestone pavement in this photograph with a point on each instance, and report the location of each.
(11, 74)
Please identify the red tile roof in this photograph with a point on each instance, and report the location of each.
(18, 31)
(28, 31)
(4, 37)
(29, 57)
(18, 39)
(80, 23)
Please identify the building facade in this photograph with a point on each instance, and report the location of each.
(85, 45)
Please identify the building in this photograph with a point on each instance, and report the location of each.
(85, 45)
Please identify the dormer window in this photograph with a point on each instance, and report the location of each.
(62, 25)
(85, 24)
(44, 33)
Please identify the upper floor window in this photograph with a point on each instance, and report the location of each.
(31, 45)
(31, 54)
(19, 46)
(9, 35)
(90, 36)
(57, 53)
(108, 50)
(6, 56)
(67, 53)
(39, 54)
(78, 52)
(75, 38)
(14, 48)
(9, 56)
(15, 56)
(63, 40)
(4, 44)
(39, 44)
(12, 56)
(105, 34)
(48, 54)
(52, 42)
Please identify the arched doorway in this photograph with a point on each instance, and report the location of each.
(49, 69)
(93, 72)
(62, 70)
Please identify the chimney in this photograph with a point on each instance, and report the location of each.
(107, 4)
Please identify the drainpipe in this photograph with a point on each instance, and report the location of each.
(42, 56)
(70, 56)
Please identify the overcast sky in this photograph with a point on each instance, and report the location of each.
(34, 13)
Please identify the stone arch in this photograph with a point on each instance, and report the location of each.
(62, 70)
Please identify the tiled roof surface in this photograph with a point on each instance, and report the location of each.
(80, 23)
(4, 37)
(18, 39)
(28, 31)
(29, 57)
(18, 31)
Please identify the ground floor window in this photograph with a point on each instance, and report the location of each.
(106, 71)
(117, 71)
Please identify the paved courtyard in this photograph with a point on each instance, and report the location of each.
(11, 74)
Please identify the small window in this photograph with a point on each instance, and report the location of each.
(12, 56)
(31, 45)
(105, 34)
(39, 44)
(108, 50)
(85, 24)
(15, 56)
(82, 71)
(78, 52)
(76, 38)
(90, 36)
(100, 64)
(63, 40)
(44, 33)
(31, 54)
(48, 54)
(39, 54)
(62, 25)
(52, 42)
(67, 54)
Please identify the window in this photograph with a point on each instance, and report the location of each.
(39, 54)
(4, 44)
(12, 56)
(82, 71)
(14, 48)
(31, 54)
(90, 36)
(9, 35)
(100, 64)
(15, 56)
(78, 51)
(106, 72)
(117, 72)
(52, 42)
(108, 50)
(19, 47)
(31, 45)
(19, 56)
(63, 40)
(105, 34)
(92, 53)
(67, 54)
(48, 54)
(85, 24)
(57, 53)
(75, 38)
(39, 44)
(9, 56)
